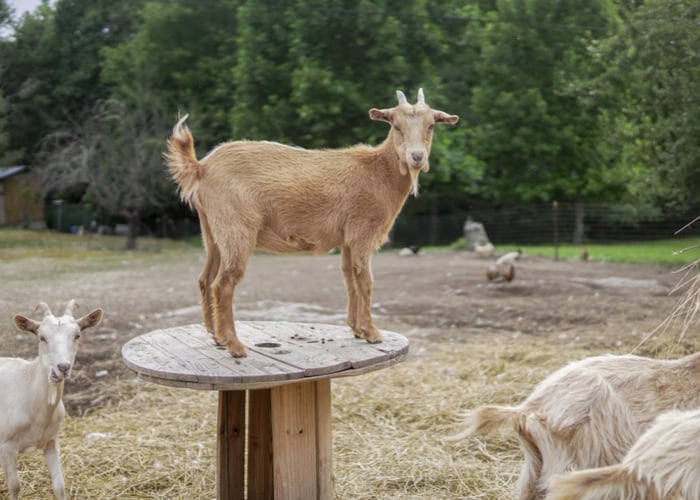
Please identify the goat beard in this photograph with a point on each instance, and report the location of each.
(414, 172)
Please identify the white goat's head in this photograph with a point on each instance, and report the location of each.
(412, 132)
(58, 337)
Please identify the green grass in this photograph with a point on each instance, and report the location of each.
(663, 252)
(20, 243)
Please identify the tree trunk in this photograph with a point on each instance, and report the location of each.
(579, 217)
(132, 233)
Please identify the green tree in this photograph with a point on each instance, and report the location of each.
(181, 57)
(650, 90)
(115, 158)
(51, 69)
(538, 137)
(307, 72)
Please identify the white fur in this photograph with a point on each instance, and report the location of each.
(31, 392)
(590, 413)
(663, 464)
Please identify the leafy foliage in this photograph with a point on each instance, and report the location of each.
(559, 99)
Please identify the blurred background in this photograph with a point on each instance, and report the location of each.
(579, 120)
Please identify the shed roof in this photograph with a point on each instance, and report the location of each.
(6, 172)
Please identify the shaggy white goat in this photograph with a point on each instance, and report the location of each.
(283, 199)
(31, 392)
(663, 464)
(590, 413)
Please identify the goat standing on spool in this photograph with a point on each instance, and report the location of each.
(285, 199)
(32, 391)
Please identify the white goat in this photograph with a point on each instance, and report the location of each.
(31, 393)
(590, 413)
(663, 464)
(283, 199)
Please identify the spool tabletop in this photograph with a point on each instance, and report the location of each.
(285, 381)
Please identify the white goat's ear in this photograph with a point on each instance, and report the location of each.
(26, 325)
(92, 319)
(442, 117)
(381, 115)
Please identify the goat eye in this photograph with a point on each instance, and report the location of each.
(398, 129)
(431, 127)
(42, 338)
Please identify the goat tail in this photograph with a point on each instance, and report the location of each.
(489, 418)
(182, 162)
(614, 482)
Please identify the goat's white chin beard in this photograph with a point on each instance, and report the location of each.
(414, 172)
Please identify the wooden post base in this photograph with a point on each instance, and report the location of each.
(289, 443)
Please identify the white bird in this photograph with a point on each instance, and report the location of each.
(503, 268)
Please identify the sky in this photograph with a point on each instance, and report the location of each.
(22, 6)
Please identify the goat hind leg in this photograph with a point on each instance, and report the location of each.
(206, 278)
(235, 246)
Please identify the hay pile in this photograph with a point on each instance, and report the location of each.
(387, 430)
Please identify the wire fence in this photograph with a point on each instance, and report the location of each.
(521, 224)
(545, 224)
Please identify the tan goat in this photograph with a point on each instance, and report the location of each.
(590, 413)
(285, 199)
(663, 464)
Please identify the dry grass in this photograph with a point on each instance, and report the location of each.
(387, 429)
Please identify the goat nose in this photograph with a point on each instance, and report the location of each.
(417, 156)
(64, 367)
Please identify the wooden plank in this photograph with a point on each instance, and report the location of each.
(324, 440)
(278, 353)
(260, 466)
(300, 347)
(230, 444)
(187, 354)
(294, 437)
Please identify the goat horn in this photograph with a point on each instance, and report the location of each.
(421, 96)
(44, 308)
(70, 307)
(401, 97)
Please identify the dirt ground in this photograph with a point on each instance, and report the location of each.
(441, 296)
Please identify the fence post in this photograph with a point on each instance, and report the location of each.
(555, 209)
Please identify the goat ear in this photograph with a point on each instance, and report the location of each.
(442, 117)
(26, 325)
(92, 319)
(381, 115)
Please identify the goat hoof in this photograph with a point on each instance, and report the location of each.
(237, 350)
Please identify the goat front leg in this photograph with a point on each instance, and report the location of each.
(349, 278)
(362, 277)
(9, 464)
(52, 455)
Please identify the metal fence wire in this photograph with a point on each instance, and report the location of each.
(545, 224)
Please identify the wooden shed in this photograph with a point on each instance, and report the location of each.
(20, 199)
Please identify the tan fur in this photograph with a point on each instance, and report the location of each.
(283, 199)
(664, 463)
(590, 413)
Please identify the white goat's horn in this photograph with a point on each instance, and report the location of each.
(421, 96)
(70, 307)
(44, 308)
(401, 97)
